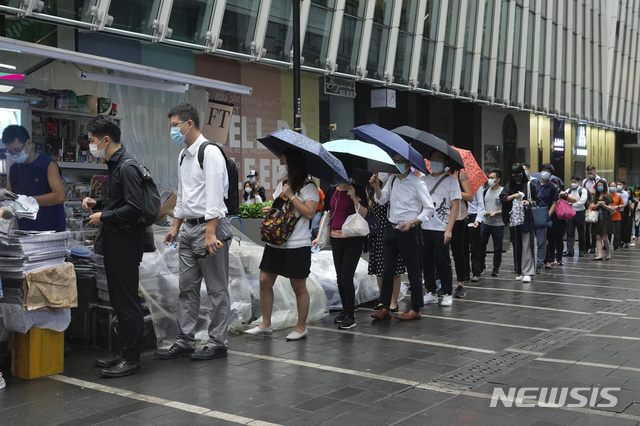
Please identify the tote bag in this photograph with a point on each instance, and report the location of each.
(324, 233)
(355, 226)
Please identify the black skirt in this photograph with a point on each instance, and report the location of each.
(289, 263)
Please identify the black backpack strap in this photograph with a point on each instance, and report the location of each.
(431, 191)
(182, 155)
(484, 193)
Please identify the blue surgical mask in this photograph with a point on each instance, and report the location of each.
(612, 189)
(252, 180)
(601, 189)
(402, 167)
(20, 158)
(437, 166)
(545, 175)
(176, 134)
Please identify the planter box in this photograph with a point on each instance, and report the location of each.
(251, 229)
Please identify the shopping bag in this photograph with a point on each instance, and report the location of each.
(591, 216)
(564, 210)
(541, 219)
(324, 233)
(51, 288)
(516, 216)
(355, 226)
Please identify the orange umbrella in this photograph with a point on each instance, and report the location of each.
(476, 176)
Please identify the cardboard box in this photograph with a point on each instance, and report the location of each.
(38, 353)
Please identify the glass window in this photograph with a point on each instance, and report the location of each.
(379, 39)
(499, 82)
(190, 20)
(470, 30)
(483, 86)
(350, 36)
(239, 25)
(405, 41)
(528, 78)
(486, 28)
(425, 72)
(431, 22)
(542, 52)
(540, 92)
(316, 41)
(515, 75)
(135, 16)
(517, 37)
(465, 76)
(451, 29)
(279, 36)
(554, 43)
(446, 76)
(530, 44)
(502, 31)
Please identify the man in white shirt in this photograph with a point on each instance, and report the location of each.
(436, 233)
(493, 225)
(577, 198)
(200, 206)
(473, 240)
(410, 205)
(589, 184)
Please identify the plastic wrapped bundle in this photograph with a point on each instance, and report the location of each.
(14, 318)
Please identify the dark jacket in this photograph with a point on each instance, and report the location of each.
(124, 204)
(511, 189)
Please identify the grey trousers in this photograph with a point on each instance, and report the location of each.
(215, 271)
(528, 264)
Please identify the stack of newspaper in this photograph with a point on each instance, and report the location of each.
(26, 207)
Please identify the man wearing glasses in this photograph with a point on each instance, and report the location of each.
(36, 175)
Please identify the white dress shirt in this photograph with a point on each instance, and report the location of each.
(201, 192)
(408, 200)
(579, 205)
(477, 205)
(589, 184)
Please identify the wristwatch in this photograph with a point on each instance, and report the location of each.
(413, 224)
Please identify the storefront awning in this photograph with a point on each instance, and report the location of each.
(128, 67)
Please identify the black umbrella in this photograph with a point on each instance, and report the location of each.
(425, 143)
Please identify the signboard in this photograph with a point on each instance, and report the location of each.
(581, 141)
(558, 144)
(339, 86)
(217, 121)
(383, 98)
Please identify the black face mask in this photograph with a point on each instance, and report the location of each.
(517, 177)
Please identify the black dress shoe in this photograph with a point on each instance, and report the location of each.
(175, 351)
(124, 368)
(568, 254)
(109, 362)
(210, 352)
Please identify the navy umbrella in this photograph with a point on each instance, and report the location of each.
(320, 162)
(425, 143)
(537, 176)
(391, 143)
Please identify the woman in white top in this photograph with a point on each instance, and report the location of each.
(292, 259)
(250, 194)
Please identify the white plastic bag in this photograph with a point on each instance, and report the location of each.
(355, 226)
(324, 233)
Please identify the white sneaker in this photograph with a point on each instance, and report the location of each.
(294, 335)
(256, 331)
(526, 279)
(632, 245)
(430, 299)
(519, 278)
(447, 300)
(2, 382)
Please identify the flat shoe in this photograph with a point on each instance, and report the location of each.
(256, 331)
(294, 335)
(597, 258)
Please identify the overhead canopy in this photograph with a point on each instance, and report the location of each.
(128, 67)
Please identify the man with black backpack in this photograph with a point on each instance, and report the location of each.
(123, 237)
(205, 196)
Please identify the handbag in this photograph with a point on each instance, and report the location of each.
(564, 210)
(591, 216)
(355, 226)
(324, 233)
(540, 218)
(374, 225)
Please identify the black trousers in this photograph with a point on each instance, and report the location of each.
(627, 225)
(457, 248)
(555, 239)
(397, 243)
(123, 251)
(474, 250)
(576, 222)
(436, 258)
(617, 228)
(589, 238)
(346, 255)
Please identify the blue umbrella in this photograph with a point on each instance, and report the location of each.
(320, 162)
(361, 155)
(537, 176)
(391, 143)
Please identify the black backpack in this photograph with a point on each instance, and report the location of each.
(233, 198)
(588, 192)
(151, 206)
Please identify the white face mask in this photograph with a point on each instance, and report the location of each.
(619, 188)
(248, 190)
(383, 176)
(574, 185)
(93, 148)
(492, 183)
(282, 172)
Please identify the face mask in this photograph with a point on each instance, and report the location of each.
(437, 167)
(592, 176)
(619, 188)
(545, 175)
(383, 177)
(601, 189)
(401, 167)
(517, 177)
(612, 189)
(176, 134)
(248, 190)
(574, 185)
(528, 173)
(252, 180)
(20, 158)
(282, 172)
(93, 148)
(492, 183)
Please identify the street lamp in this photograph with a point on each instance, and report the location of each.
(297, 104)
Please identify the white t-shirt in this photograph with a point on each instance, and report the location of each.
(251, 200)
(447, 191)
(301, 235)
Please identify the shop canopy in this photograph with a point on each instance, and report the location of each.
(177, 82)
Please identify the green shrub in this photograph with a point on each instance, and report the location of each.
(253, 211)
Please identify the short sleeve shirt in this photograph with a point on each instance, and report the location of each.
(446, 192)
(547, 193)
